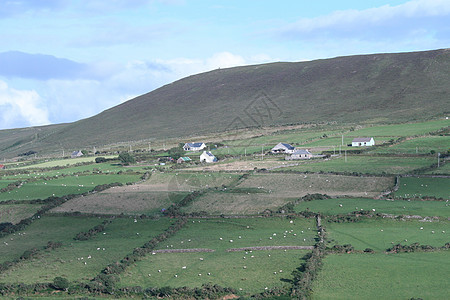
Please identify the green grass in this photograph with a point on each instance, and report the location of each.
(381, 234)
(14, 213)
(422, 145)
(67, 262)
(227, 268)
(381, 276)
(411, 187)
(444, 169)
(48, 228)
(397, 207)
(58, 187)
(405, 129)
(365, 164)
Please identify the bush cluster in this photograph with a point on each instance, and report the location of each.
(86, 235)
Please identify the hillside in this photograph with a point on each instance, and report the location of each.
(378, 88)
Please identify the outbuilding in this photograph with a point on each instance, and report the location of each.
(365, 141)
(183, 159)
(207, 157)
(76, 154)
(301, 154)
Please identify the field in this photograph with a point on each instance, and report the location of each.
(412, 187)
(381, 234)
(249, 271)
(76, 260)
(58, 187)
(422, 145)
(399, 276)
(397, 207)
(365, 164)
(14, 213)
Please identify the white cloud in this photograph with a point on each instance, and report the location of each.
(21, 108)
(417, 17)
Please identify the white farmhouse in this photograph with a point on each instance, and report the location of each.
(208, 157)
(367, 141)
(283, 148)
(194, 146)
(76, 154)
(301, 154)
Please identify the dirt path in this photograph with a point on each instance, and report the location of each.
(194, 250)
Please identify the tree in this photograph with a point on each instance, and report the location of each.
(126, 158)
(100, 159)
(60, 283)
(176, 152)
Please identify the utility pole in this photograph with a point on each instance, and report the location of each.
(339, 150)
(342, 140)
(345, 155)
(149, 147)
(262, 152)
(439, 154)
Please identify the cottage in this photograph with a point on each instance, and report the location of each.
(183, 159)
(283, 148)
(194, 146)
(301, 154)
(76, 154)
(208, 157)
(367, 141)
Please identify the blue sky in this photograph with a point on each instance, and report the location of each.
(64, 60)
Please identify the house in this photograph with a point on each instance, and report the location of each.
(194, 146)
(183, 159)
(76, 154)
(2, 167)
(301, 154)
(367, 141)
(283, 148)
(208, 157)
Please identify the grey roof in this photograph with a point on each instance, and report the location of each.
(301, 151)
(289, 147)
(360, 140)
(209, 153)
(194, 145)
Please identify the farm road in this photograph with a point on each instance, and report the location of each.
(272, 248)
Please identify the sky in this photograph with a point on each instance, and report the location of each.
(65, 60)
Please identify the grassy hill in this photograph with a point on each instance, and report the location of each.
(378, 88)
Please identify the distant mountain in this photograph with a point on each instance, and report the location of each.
(373, 88)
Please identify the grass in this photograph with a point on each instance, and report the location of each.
(58, 187)
(412, 187)
(405, 129)
(48, 228)
(67, 262)
(227, 268)
(381, 276)
(365, 164)
(397, 207)
(14, 213)
(122, 200)
(381, 234)
(421, 145)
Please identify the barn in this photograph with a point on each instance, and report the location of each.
(365, 141)
(283, 148)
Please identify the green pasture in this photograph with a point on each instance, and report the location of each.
(412, 187)
(36, 235)
(396, 207)
(364, 164)
(83, 260)
(61, 162)
(381, 234)
(14, 213)
(383, 276)
(420, 145)
(444, 169)
(61, 186)
(122, 200)
(404, 129)
(253, 274)
(277, 231)
(242, 150)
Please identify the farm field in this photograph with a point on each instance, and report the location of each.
(36, 235)
(120, 200)
(384, 276)
(396, 207)
(365, 164)
(421, 145)
(62, 186)
(82, 260)
(14, 213)
(381, 234)
(405, 129)
(227, 268)
(412, 187)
